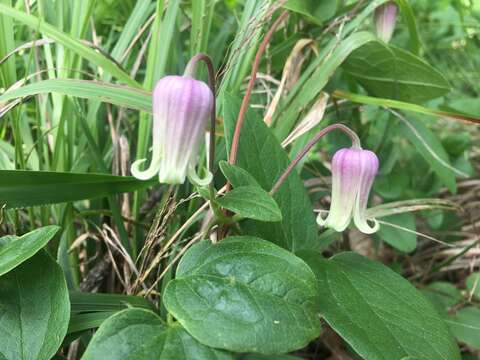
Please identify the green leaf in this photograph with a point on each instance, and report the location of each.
(465, 326)
(377, 312)
(20, 188)
(16, 249)
(268, 357)
(443, 295)
(390, 72)
(34, 310)
(125, 96)
(261, 155)
(314, 11)
(236, 175)
(140, 334)
(70, 42)
(245, 294)
(431, 149)
(473, 284)
(251, 202)
(401, 236)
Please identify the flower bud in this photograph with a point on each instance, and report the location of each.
(385, 18)
(181, 108)
(353, 173)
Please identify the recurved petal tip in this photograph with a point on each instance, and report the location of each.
(363, 226)
(145, 174)
(197, 180)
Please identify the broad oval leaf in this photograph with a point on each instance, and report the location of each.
(17, 249)
(268, 357)
(34, 310)
(140, 334)
(20, 188)
(390, 72)
(379, 313)
(245, 294)
(251, 202)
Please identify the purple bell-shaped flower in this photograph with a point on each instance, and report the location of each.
(353, 173)
(385, 18)
(181, 108)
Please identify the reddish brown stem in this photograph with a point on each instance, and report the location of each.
(243, 109)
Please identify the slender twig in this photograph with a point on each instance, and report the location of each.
(251, 83)
(311, 143)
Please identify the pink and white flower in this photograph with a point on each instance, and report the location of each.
(385, 19)
(353, 173)
(181, 108)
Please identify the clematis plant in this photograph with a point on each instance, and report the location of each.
(181, 108)
(353, 173)
(385, 18)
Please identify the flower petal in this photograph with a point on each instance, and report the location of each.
(345, 186)
(369, 168)
(385, 18)
(148, 173)
(196, 180)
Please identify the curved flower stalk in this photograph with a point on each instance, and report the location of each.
(353, 173)
(385, 18)
(181, 108)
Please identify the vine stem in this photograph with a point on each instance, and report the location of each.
(355, 144)
(243, 109)
(190, 71)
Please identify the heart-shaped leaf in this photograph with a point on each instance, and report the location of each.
(16, 249)
(379, 313)
(245, 294)
(34, 310)
(138, 334)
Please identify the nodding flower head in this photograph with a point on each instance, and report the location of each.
(385, 18)
(353, 173)
(181, 108)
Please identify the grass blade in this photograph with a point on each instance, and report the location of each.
(20, 188)
(70, 43)
(114, 94)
